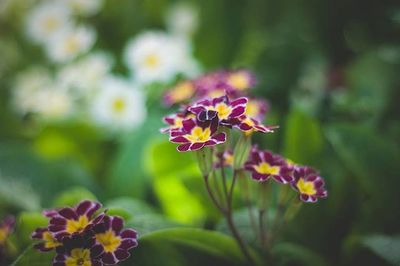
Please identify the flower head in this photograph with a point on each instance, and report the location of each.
(182, 92)
(220, 107)
(48, 241)
(114, 240)
(46, 19)
(309, 184)
(196, 134)
(241, 79)
(6, 228)
(175, 121)
(71, 221)
(264, 164)
(70, 42)
(118, 104)
(250, 125)
(224, 159)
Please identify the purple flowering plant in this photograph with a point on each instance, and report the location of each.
(217, 120)
(83, 235)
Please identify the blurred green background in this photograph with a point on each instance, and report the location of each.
(330, 71)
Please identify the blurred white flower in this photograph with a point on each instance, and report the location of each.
(26, 87)
(70, 42)
(84, 7)
(54, 103)
(47, 19)
(157, 56)
(182, 19)
(119, 105)
(84, 76)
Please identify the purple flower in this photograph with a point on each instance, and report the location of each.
(256, 109)
(115, 241)
(220, 107)
(79, 250)
(195, 135)
(264, 165)
(175, 121)
(241, 79)
(69, 221)
(250, 125)
(49, 242)
(182, 92)
(6, 228)
(224, 159)
(309, 184)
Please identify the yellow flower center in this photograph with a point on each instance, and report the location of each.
(71, 45)
(74, 226)
(50, 24)
(151, 60)
(109, 241)
(228, 159)
(266, 169)
(182, 92)
(79, 257)
(199, 135)
(118, 105)
(252, 109)
(50, 241)
(216, 93)
(223, 110)
(3, 235)
(238, 81)
(306, 187)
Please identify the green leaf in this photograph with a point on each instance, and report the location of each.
(11, 191)
(303, 139)
(176, 247)
(386, 247)
(73, 196)
(132, 206)
(290, 253)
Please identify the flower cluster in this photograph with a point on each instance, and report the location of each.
(201, 123)
(264, 165)
(81, 236)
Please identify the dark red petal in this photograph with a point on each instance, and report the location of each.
(109, 258)
(188, 124)
(238, 111)
(220, 137)
(117, 224)
(128, 233)
(128, 243)
(184, 147)
(239, 101)
(179, 139)
(68, 213)
(121, 254)
(196, 146)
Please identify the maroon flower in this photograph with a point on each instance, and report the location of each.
(174, 121)
(265, 164)
(115, 241)
(220, 107)
(224, 159)
(195, 135)
(241, 79)
(309, 184)
(6, 228)
(182, 92)
(250, 125)
(48, 243)
(69, 221)
(79, 250)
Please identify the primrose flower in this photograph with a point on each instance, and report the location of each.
(220, 107)
(70, 221)
(183, 91)
(79, 250)
(195, 135)
(256, 109)
(114, 240)
(264, 164)
(309, 184)
(6, 228)
(250, 125)
(175, 121)
(224, 159)
(241, 79)
(48, 241)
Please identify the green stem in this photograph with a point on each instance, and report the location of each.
(21, 255)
